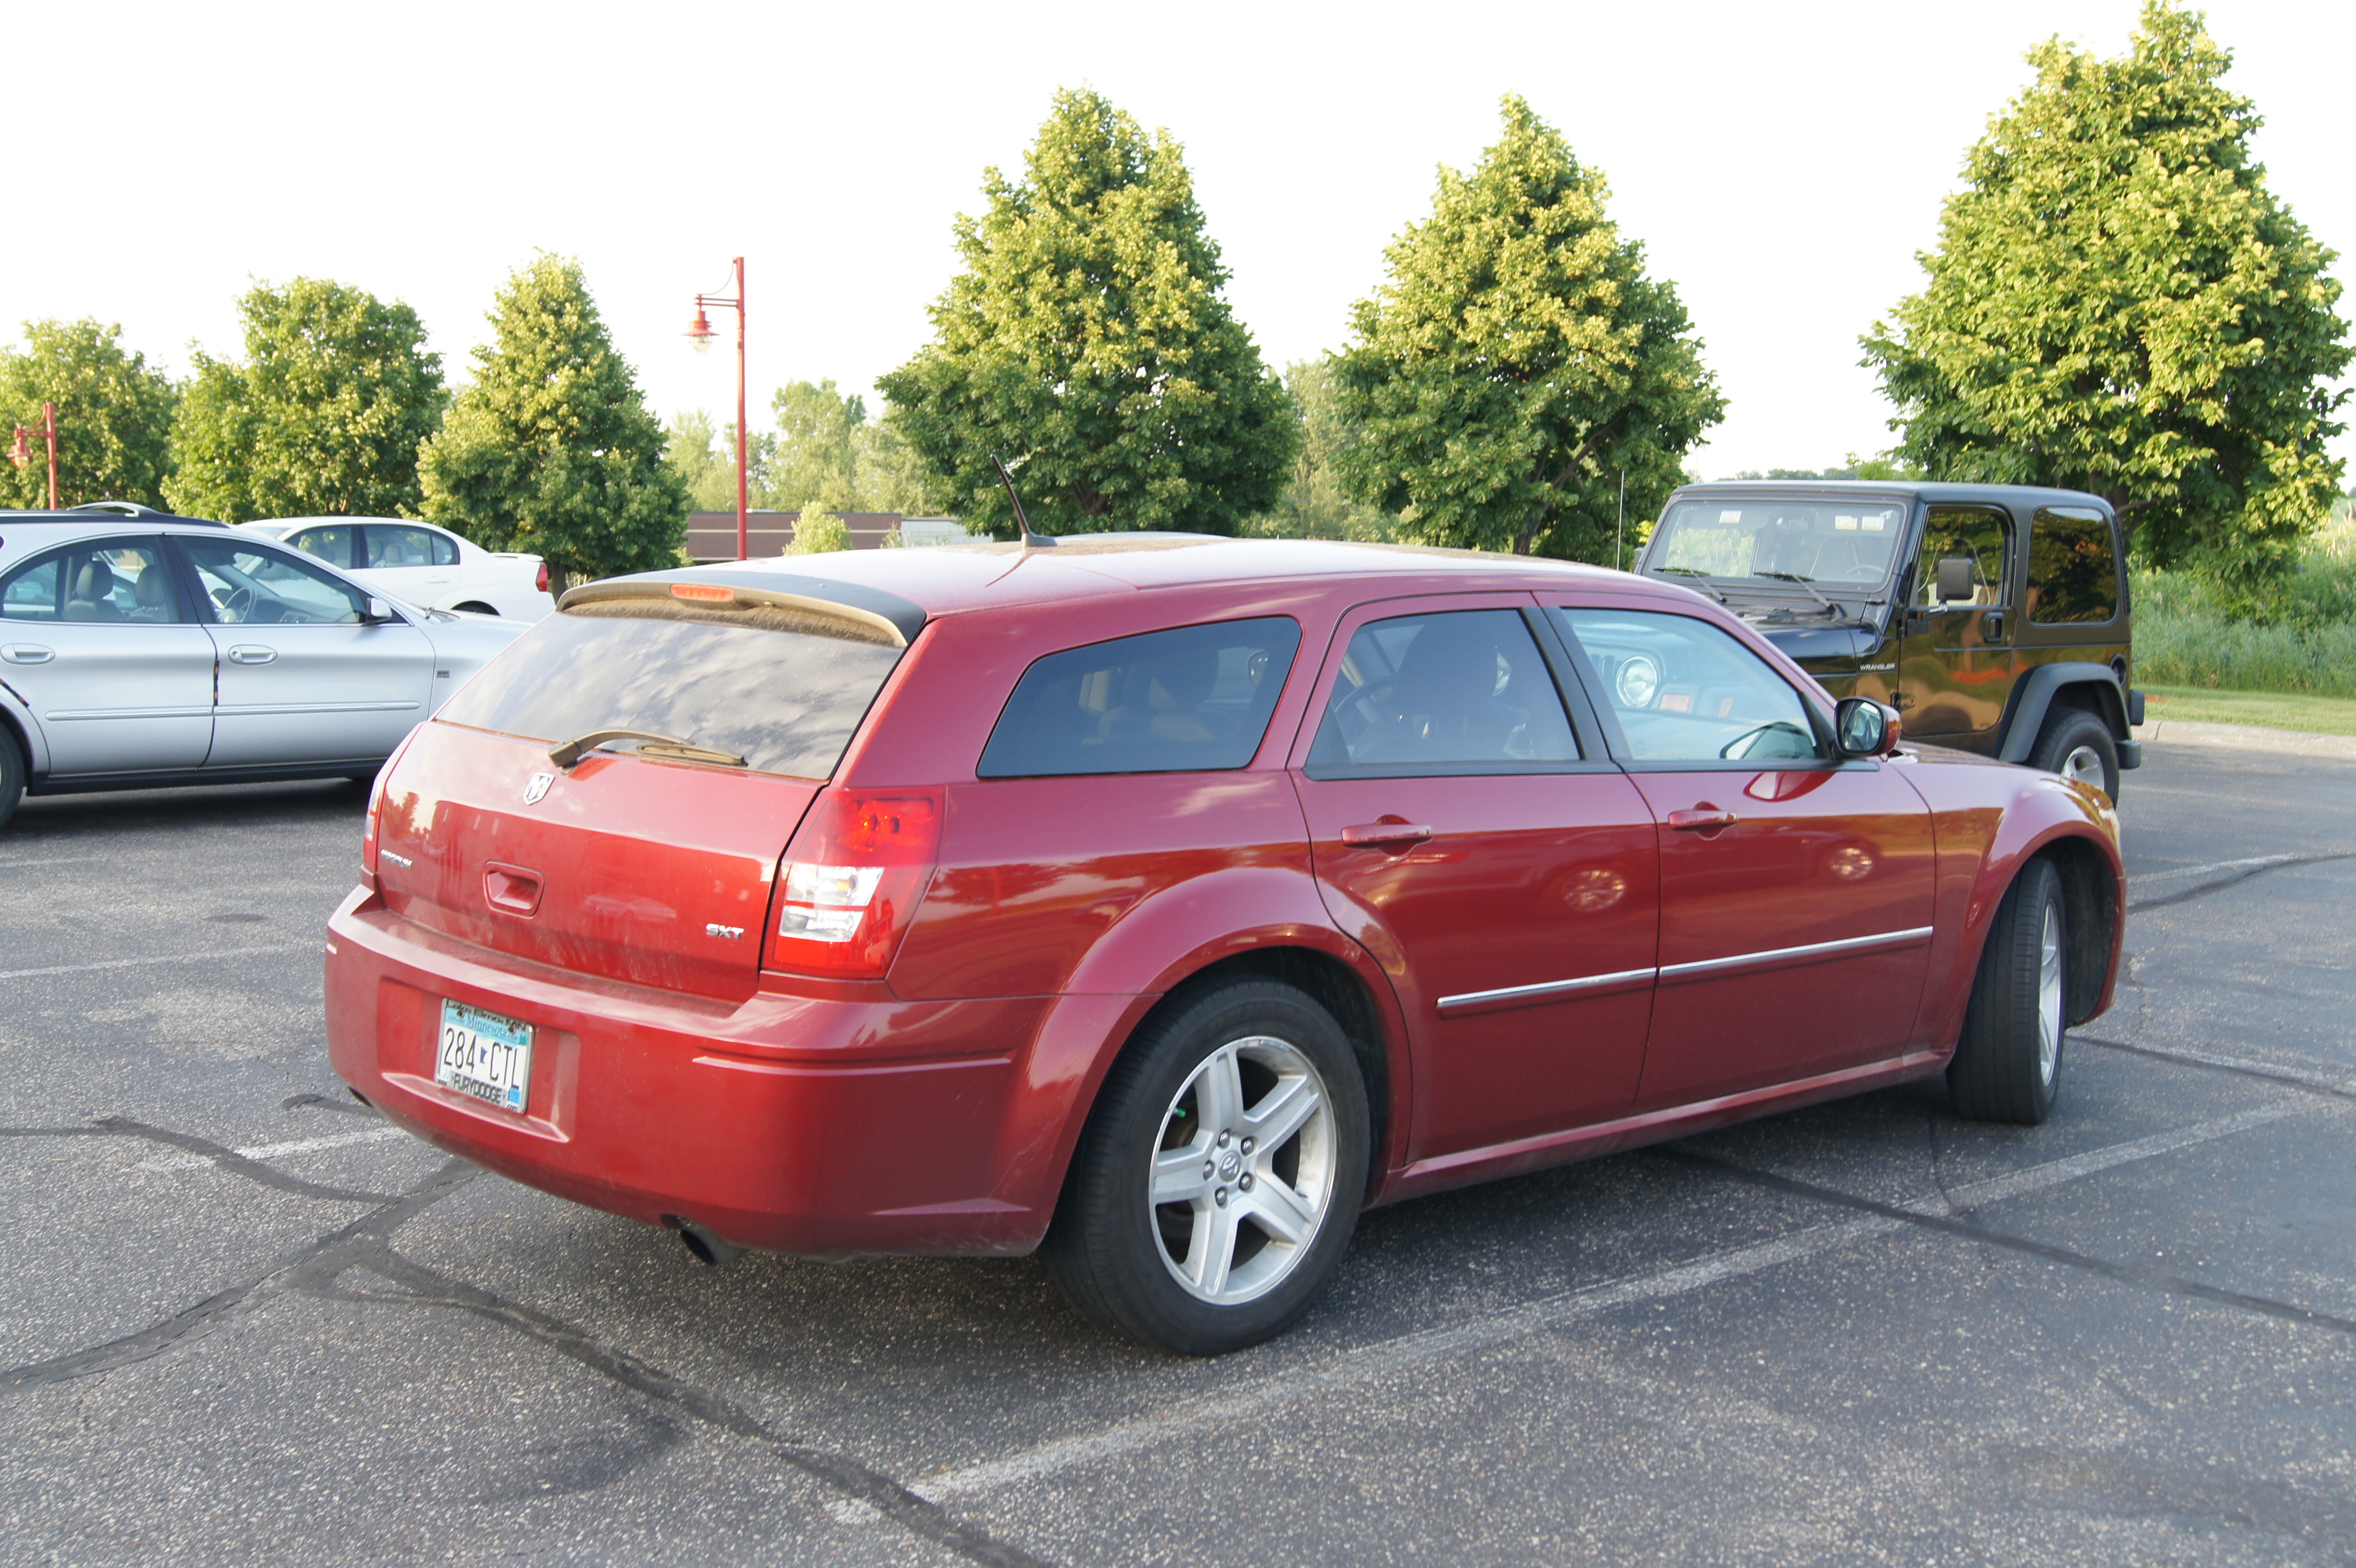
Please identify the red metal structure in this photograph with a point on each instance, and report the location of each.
(1559, 885)
(700, 332)
(21, 454)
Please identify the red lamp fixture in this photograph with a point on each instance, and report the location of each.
(700, 333)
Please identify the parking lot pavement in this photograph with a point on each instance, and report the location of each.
(246, 1323)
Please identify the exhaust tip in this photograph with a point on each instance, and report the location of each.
(710, 1250)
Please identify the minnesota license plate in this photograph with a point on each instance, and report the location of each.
(484, 1055)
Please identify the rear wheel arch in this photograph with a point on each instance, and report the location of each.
(2090, 902)
(475, 607)
(1342, 992)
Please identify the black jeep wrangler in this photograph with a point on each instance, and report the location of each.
(1993, 617)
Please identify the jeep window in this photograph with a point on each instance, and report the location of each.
(1684, 691)
(1198, 698)
(1459, 691)
(783, 692)
(1980, 537)
(1845, 542)
(2073, 574)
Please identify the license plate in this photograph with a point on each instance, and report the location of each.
(484, 1055)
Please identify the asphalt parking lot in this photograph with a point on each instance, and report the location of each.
(248, 1322)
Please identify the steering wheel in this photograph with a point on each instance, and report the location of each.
(234, 603)
(1862, 574)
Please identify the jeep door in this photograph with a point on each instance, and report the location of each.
(1484, 848)
(100, 642)
(304, 676)
(1795, 888)
(1955, 656)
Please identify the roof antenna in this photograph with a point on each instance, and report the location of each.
(1030, 539)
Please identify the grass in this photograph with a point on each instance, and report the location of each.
(2268, 710)
(2183, 641)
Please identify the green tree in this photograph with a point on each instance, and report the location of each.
(1087, 341)
(2119, 304)
(703, 454)
(817, 531)
(1314, 503)
(1519, 362)
(818, 445)
(114, 416)
(552, 449)
(323, 419)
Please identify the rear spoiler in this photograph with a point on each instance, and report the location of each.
(864, 614)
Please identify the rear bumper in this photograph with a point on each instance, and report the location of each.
(785, 1122)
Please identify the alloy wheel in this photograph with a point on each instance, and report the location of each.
(1243, 1170)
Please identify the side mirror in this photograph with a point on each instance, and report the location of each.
(1957, 584)
(380, 610)
(1863, 727)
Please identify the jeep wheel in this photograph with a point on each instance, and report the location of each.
(2008, 1066)
(2078, 746)
(1220, 1174)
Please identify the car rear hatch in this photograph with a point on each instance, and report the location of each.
(508, 823)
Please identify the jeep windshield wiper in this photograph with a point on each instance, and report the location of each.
(1796, 577)
(651, 743)
(1689, 571)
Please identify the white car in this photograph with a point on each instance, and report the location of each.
(420, 563)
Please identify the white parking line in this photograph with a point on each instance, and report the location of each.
(314, 945)
(61, 860)
(272, 1150)
(1351, 1367)
(2160, 882)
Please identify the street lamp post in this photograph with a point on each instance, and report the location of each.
(21, 454)
(700, 333)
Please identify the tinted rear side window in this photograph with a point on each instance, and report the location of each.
(1194, 698)
(2072, 574)
(784, 698)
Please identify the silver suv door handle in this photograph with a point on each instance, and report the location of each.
(27, 653)
(252, 653)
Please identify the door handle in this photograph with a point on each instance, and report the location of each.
(510, 889)
(27, 653)
(252, 653)
(1385, 832)
(1703, 818)
(1992, 625)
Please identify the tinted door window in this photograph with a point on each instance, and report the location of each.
(333, 545)
(1684, 691)
(2073, 575)
(388, 546)
(252, 584)
(1979, 537)
(116, 581)
(1198, 698)
(446, 550)
(1457, 690)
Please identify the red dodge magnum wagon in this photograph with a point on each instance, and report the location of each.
(1160, 902)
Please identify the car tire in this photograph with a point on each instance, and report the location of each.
(2008, 1065)
(2078, 745)
(1252, 1224)
(12, 775)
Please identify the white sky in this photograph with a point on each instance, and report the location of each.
(1782, 163)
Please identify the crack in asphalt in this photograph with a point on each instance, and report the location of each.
(2266, 1072)
(2125, 1273)
(366, 1244)
(220, 1155)
(2284, 863)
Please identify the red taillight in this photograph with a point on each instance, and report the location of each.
(376, 807)
(851, 879)
(540, 580)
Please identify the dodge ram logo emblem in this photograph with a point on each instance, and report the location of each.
(537, 788)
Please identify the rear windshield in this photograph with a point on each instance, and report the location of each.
(785, 700)
(1194, 698)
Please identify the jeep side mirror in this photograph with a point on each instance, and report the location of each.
(1863, 727)
(1955, 580)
